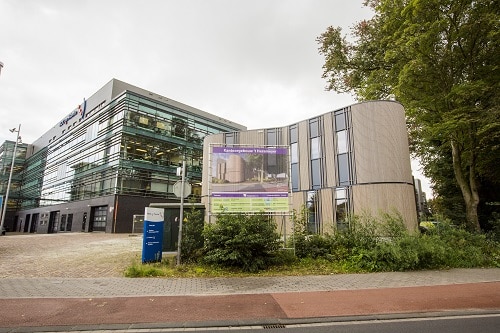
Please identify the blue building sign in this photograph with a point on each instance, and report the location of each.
(152, 241)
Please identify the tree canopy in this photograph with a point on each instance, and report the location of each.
(440, 59)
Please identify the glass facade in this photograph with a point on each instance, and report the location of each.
(6, 155)
(132, 146)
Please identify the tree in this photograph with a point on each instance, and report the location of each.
(439, 58)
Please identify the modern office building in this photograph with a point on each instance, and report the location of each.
(350, 161)
(14, 200)
(110, 157)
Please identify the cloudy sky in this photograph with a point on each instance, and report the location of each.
(253, 62)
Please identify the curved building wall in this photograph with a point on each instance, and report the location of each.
(352, 160)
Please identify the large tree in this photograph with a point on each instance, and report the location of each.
(440, 59)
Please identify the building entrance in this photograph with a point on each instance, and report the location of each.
(98, 218)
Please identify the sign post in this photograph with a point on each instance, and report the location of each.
(152, 242)
(184, 192)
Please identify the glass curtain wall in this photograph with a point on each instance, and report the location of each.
(6, 156)
(132, 146)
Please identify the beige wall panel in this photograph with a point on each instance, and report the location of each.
(329, 151)
(327, 212)
(284, 140)
(254, 138)
(298, 200)
(380, 142)
(377, 198)
(304, 164)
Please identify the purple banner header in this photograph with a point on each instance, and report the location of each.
(250, 195)
(250, 150)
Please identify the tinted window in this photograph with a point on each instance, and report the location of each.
(343, 163)
(340, 121)
(295, 177)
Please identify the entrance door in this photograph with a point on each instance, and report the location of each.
(34, 222)
(99, 217)
(27, 222)
(53, 222)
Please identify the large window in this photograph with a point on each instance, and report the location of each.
(343, 153)
(315, 153)
(341, 208)
(294, 158)
(312, 208)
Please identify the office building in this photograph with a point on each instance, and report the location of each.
(354, 160)
(105, 161)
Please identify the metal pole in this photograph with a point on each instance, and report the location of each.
(10, 177)
(181, 213)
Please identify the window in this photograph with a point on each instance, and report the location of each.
(315, 148)
(340, 123)
(342, 142)
(316, 174)
(315, 153)
(314, 128)
(272, 139)
(312, 207)
(343, 169)
(341, 208)
(294, 151)
(294, 158)
(295, 177)
(230, 138)
(294, 135)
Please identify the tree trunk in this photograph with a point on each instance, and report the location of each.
(469, 188)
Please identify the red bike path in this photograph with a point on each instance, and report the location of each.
(58, 314)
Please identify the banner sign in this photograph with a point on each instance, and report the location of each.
(152, 241)
(249, 180)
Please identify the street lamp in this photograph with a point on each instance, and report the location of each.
(18, 130)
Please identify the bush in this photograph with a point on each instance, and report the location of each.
(249, 242)
(384, 244)
(192, 236)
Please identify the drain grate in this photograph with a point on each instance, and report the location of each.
(273, 326)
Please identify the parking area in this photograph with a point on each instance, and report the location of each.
(70, 255)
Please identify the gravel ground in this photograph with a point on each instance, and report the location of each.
(74, 255)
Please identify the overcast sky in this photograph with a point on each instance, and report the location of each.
(253, 62)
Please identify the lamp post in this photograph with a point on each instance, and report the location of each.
(18, 130)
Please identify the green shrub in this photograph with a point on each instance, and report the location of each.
(249, 242)
(192, 236)
(384, 244)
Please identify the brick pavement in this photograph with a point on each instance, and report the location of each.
(77, 255)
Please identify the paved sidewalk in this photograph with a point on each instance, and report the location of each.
(133, 287)
(55, 300)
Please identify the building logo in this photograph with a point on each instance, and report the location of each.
(80, 110)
